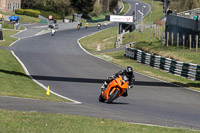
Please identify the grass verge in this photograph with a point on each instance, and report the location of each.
(126, 8)
(178, 53)
(14, 82)
(23, 122)
(157, 12)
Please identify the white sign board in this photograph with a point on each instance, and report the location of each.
(118, 18)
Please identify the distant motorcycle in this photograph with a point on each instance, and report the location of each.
(99, 26)
(86, 25)
(53, 31)
(115, 89)
(78, 27)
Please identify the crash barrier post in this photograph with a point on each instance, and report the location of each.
(187, 70)
(1, 32)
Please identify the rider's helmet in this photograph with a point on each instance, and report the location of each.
(129, 71)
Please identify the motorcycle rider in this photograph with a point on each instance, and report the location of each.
(86, 25)
(127, 75)
(53, 29)
(99, 25)
(78, 26)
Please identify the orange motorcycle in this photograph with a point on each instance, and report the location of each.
(115, 89)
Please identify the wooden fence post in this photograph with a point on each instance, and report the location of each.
(159, 32)
(156, 31)
(183, 41)
(167, 39)
(197, 42)
(172, 38)
(190, 41)
(177, 40)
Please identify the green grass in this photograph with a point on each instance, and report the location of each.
(7, 26)
(142, 42)
(31, 122)
(101, 42)
(28, 19)
(178, 53)
(157, 11)
(7, 40)
(24, 18)
(100, 16)
(126, 8)
(14, 82)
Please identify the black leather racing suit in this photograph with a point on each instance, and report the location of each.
(124, 77)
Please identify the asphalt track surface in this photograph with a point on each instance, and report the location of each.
(60, 63)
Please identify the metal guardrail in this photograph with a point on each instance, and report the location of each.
(187, 70)
(43, 19)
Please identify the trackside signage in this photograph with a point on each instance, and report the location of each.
(117, 18)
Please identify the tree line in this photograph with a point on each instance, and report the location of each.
(68, 7)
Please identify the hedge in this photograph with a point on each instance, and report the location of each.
(28, 12)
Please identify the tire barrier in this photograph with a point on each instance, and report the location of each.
(187, 70)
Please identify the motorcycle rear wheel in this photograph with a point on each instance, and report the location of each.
(113, 96)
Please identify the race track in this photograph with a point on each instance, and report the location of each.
(59, 62)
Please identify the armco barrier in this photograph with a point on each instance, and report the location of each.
(187, 70)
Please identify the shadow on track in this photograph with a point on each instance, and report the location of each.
(88, 80)
(118, 103)
(146, 83)
(68, 79)
(13, 73)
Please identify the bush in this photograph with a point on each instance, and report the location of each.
(54, 15)
(7, 26)
(35, 13)
(19, 11)
(28, 12)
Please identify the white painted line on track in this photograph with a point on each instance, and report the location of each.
(26, 71)
(28, 74)
(152, 125)
(13, 97)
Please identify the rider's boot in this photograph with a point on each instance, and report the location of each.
(104, 86)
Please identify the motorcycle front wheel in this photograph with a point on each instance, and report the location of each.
(101, 99)
(113, 96)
